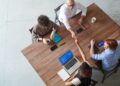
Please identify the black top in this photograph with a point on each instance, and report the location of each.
(85, 81)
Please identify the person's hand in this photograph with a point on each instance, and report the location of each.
(92, 42)
(54, 30)
(76, 40)
(46, 41)
(73, 35)
(80, 21)
(52, 34)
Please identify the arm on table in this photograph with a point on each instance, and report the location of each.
(80, 50)
(73, 80)
(52, 33)
(92, 47)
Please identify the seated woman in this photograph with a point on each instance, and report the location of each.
(43, 28)
(109, 56)
(82, 77)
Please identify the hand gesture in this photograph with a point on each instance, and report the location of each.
(92, 42)
(46, 41)
(73, 35)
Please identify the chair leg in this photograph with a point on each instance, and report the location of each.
(106, 75)
(103, 78)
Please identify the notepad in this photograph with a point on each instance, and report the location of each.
(57, 38)
(63, 74)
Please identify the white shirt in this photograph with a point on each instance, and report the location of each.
(76, 82)
(66, 13)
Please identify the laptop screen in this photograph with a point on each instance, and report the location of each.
(66, 57)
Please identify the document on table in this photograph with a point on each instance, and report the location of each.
(63, 74)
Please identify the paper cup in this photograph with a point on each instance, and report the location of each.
(93, 20)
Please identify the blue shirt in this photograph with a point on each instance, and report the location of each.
(109, 58)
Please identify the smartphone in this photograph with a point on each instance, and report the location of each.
(100, 43)
(53, 47)
(78, 30)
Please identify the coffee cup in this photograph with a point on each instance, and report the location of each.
(93, 20)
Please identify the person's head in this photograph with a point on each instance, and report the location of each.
(70, 3)
(111, 44)
(85, 70)
(43, 20)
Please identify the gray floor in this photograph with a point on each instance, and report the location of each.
(16, 17)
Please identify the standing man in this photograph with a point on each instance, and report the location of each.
(68, 10)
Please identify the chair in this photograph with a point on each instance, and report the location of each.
(107, 74)
(31, 30)
(56, 14)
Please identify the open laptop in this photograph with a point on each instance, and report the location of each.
(69, 61)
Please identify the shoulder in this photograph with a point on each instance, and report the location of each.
(63, 7)
(118, 41)
(108, 51)
(77, 3)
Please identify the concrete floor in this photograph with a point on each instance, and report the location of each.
(16, 17)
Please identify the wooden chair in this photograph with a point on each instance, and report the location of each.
(56, 10)
(108, 74)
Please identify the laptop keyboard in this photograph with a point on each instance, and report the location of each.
(70, 63)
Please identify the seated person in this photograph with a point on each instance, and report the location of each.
(68, 10)
(43, 28)
(82, 77)
(109, 56)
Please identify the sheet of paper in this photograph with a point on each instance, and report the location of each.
(63, 74)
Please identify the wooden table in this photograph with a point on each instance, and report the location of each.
(46, 63)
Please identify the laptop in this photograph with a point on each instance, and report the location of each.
(69, 61)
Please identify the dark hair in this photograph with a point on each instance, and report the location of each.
(112, 44)
(43, 20)
(85, 70)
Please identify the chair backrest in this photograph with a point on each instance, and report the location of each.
(31, 30)
(56, 10)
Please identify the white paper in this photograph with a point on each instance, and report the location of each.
(63, 74)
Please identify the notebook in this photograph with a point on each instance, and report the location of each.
(57, 38)
(63, 74)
